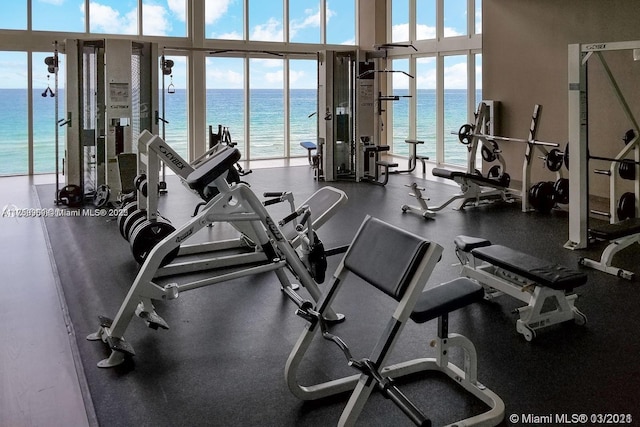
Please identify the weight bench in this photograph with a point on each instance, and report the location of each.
(474, 188)
(310, 146)
(400, 269)
(620, 235)
(536, 282)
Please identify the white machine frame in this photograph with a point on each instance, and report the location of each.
(236, 204)
(498, 281)
(362, 385)
(578, 57)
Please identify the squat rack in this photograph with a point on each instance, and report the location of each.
(578, 57)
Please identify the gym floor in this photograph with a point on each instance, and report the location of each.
(222, 361)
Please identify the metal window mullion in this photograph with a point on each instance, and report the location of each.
(413, 31)
(285, 21)
(323, 21)
(413, 101)
(287, 111)
(247, 105)
(30, 112)
(471, 86)
(439, 108)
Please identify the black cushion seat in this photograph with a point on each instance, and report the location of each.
(212, 168)
(615, 231)
(539, 271)
(449, 174)
(445, 298)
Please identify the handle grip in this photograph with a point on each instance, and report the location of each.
(274, 194)
(409, 409)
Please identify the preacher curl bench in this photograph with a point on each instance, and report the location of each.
(502, 270)
(400, 269)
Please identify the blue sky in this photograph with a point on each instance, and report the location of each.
(223, 19)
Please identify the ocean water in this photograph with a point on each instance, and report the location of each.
(225, 107)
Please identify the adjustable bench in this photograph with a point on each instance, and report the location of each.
(474, 188)
(400, 269)
(502, 270)
(620, 235)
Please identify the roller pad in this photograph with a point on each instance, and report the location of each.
(467, 243)
(537, 270)
(213, 168)
(445, 298)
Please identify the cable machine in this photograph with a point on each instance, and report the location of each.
(112, 91)
(351, 114)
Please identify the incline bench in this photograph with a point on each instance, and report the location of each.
(620, 235)
(502, 270)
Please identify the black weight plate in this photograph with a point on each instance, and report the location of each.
(126, 210)
(505, 179)
(464, 134)
(138, 180)
(127, 227)
(494, 172)
(566, 156)
(627, 169)
(146, 236)
(544, 197)
(627, 206)
(101, 196)
(533, 192)
(561, 191)
(487, 154)
(71, 195)
(554, 160)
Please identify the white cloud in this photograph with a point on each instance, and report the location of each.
(179, 9)
(105, 18)
(311, 20)
(275, 78)
(455, 76)
(451, 32)
(270, 31)
(425, 32)
(155, 20)
(215, 9)
(400, 32)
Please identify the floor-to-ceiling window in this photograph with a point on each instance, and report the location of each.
(303, 103)
(448, 73)
(266, 108)
(14, 125)
(45, 98)
(173, 104)
(426, 105)
(263, 40)
(455, 112)
(226, 98)
(399, 104)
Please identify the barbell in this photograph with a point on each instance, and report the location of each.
(465, 134)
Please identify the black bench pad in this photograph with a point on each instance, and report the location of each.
(467, 243)
(391, 266)
(213, 168)
(449, 174)
(540, 271)
(445, 298)
(615, 231)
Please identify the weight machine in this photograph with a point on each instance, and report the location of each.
(235, 203)
(112, 88)
(579, 56)
(350, 101)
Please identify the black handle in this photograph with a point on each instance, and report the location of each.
(409, 409)
(274, 194)
(271, 202)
